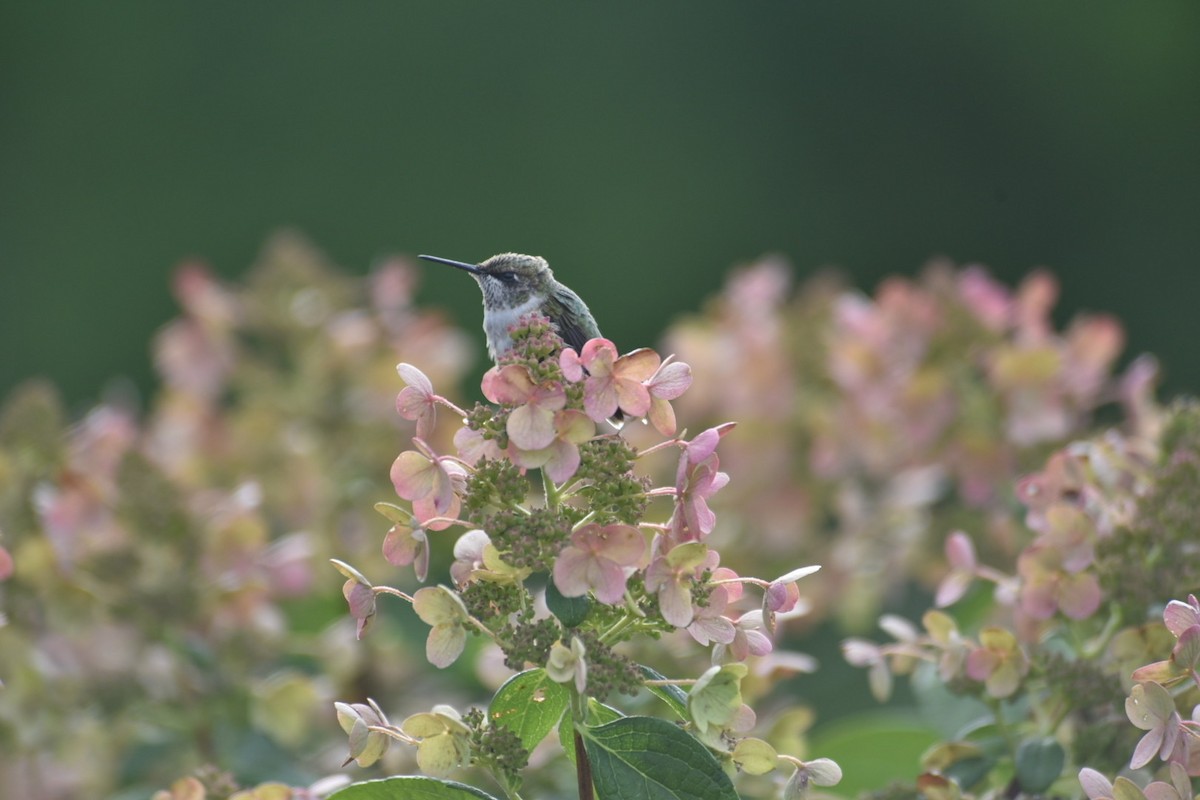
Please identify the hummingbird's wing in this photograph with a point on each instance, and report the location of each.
(574, 328)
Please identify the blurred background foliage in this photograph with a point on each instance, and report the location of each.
(643, 148)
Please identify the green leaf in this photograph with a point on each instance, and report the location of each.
(646, 758)
(1039, 763)
(598, 714)
(571, 611)
(529, 704)
(410, 788)
(670, 694)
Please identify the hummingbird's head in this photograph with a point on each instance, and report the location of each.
(507, 280)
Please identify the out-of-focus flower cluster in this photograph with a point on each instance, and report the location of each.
(561, 580)
(157, 569)
(1080, 644)
(872, 424)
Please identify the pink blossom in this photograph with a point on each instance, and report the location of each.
(560, 457)
(697, 479)
(612, 382)
(407, 544)
(671, 575)
(749, 638)
(431, 482)
(668, 382)
(596, 560)
(472, 446)
(417, 400)
(709, 624)
(530, 425)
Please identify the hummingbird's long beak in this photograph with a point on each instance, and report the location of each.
(471, 268)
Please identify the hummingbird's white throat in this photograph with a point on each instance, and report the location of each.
(496, 322)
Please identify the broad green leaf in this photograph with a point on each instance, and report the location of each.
(1039, 763)
(410, 788)
(646, 758)
(570, 610)
(670, 694)
(530, 705)
(598, 714)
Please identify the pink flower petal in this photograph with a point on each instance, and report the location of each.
(1079, 595)
(600, 398)
(662, 416)
(640, 365)
(671, 380)
(570, 572)
(530, 427)
(675, 603)
(508, 385)
(1180, 616)
(598, 356)
(562, 462)
(607, 580)
(415, 379)
(633, 397)
(572, 367)
(413, 475)
(445, 644)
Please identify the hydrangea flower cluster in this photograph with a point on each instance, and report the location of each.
(152, 563)
(871, 424)
(1070, 643)
(559, 580)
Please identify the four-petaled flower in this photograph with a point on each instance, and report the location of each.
(612, 382)
(444, 739)
(531, 425)
(560, 458)
(597, 559)
(431, 482)
(442, 609)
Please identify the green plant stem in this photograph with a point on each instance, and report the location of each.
(553, 495)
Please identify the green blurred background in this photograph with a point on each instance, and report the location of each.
(644, 148)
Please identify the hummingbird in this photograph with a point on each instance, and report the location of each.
(514, 285)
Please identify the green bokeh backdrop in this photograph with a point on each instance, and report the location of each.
(643, 148)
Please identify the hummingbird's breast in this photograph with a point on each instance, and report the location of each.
(497, 321)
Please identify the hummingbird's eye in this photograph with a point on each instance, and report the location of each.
(507, 277)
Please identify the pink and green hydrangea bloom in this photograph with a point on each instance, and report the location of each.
(599, 560)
